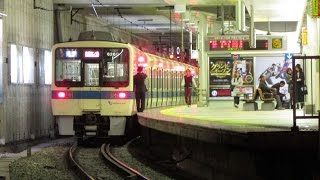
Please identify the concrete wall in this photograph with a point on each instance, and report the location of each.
(26, 108)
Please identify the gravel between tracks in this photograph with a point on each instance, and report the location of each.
(46, 164)
(49, 163)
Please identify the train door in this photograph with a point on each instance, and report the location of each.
(91, 94)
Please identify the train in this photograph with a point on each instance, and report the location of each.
(93, 92)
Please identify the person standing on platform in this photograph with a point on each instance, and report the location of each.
(299, 95)
(237, 83)
(187, 83)
(288, 78)
(140, 88)
(266, 89)
(277, 86)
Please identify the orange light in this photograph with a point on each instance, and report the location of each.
(171, 56)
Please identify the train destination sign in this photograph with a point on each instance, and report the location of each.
(236, 44)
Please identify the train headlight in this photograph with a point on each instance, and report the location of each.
(122, 95)
(62, 94)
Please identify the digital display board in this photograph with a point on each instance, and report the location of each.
(67, 53)
(235, 45)
(88, 53)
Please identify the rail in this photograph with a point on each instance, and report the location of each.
(129, 172)
(82, 174)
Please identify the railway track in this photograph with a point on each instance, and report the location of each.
(126, 170)
(81, 173)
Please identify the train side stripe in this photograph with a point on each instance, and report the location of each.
(95, 94)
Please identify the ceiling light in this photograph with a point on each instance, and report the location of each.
(145, 19)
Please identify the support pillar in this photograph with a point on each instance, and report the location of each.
(202, 61)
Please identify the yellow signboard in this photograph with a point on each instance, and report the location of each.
(304, 36)
(276, 43)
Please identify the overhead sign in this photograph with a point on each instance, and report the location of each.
(288, 55)
(315, 8)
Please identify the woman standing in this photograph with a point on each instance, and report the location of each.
(299, 84)
(237, 82)
(288, 78)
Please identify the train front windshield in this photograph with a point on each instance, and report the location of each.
(104, 67)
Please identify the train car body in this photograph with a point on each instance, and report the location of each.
(93, 91)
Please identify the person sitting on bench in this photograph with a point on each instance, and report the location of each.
(266, 89)
(277, 87)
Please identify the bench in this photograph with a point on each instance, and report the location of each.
(250, 104)
(267, 98)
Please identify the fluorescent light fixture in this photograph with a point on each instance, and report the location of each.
(180, 8)
(145, 19)
(2, 14)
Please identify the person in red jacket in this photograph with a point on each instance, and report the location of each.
(187, 83)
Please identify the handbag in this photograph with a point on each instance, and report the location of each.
(304, 89)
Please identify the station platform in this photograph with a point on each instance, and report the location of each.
(220, 122)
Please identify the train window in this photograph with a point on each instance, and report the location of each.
(68, 73)
(91, 74)
(115, 67)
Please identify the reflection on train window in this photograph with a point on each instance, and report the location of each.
(68, 73)
(91, 74)
(116, 67)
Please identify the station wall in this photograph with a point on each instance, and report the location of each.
(25, 107)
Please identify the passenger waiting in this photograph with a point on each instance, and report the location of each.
(237, 82)
(299, 95)
(266, 89)
(277, 87)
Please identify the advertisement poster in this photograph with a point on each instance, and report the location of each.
(274, 68)
(244, 65)
(220, 69)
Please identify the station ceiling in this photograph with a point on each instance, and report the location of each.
(158, 21)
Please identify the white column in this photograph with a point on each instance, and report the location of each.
(203, 61)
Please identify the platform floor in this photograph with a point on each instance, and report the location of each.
(222, 115)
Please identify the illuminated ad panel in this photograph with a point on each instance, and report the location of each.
(221, 70)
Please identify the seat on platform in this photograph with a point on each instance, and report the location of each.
(250, 104)
(254, 98)
(267, 99)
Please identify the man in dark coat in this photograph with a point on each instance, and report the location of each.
(266, 89)
(277, 87)
(140, 88)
